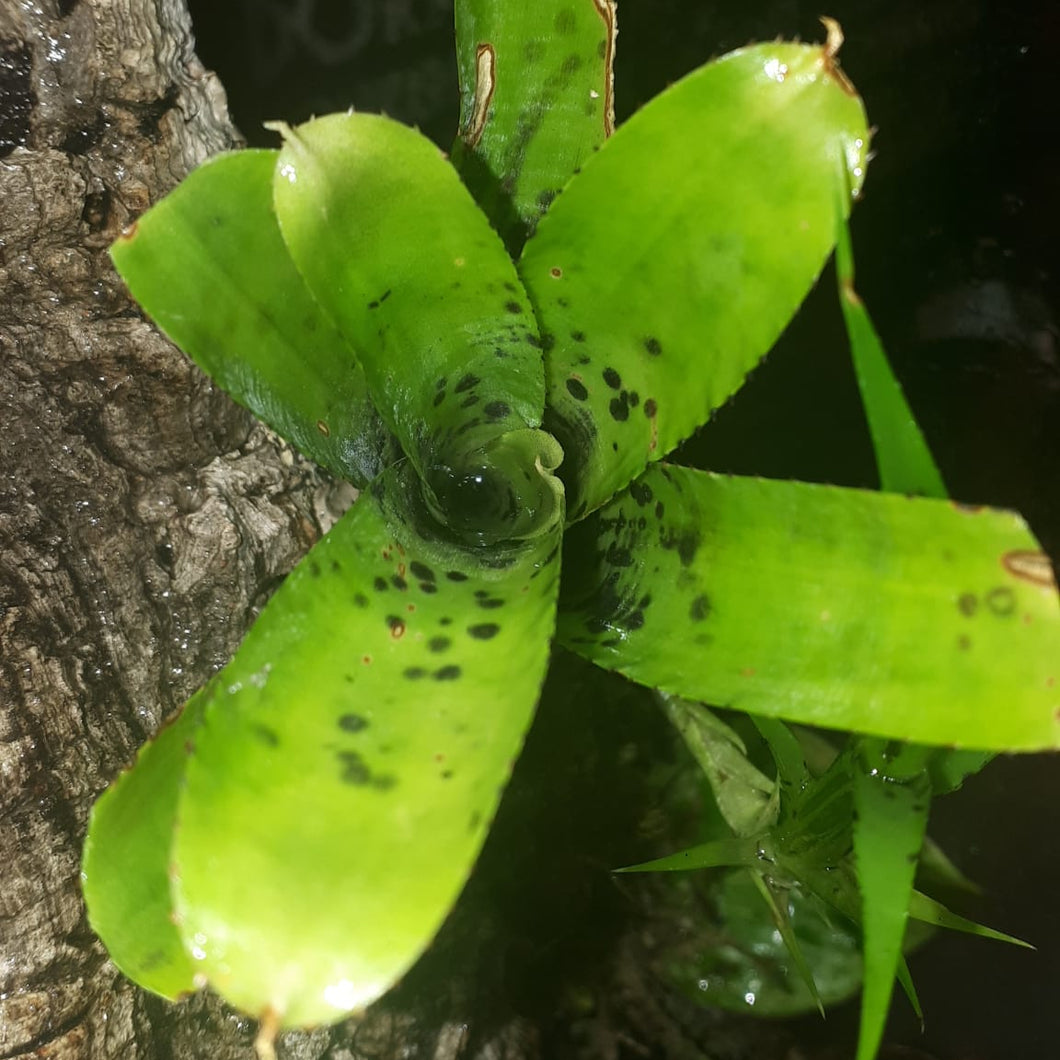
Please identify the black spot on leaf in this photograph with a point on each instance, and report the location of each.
(467, 382)
(685, 542)
(484, 630)
(496, 410)
(354, 770)
(576, 389)
(447, 673)
(699, 609)
(439, 644)
(641, 493)
(421, 571)
(266, 735)
(612, 379)
(652, 346)
(353, 723)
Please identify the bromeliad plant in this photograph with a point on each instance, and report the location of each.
(504, 403)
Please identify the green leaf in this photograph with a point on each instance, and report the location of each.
(398, 254)
(950, 770)
(670, 264)
(928, 911)
(787, 753)
(905, 978)
(892, 795)
(743, 793)
(781, 916)
(349, 761)
(732, 955)
(902, 617)
(126, 864)
(209, 266)
(714, 854)
(535, 102)
(904, 460)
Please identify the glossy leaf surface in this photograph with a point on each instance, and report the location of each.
(892, 794)
(125, 870)
(667, 268)
(535, 101)
(834, 607)
(209, 266)
(398, 254)
(904, 460)
(351, 757)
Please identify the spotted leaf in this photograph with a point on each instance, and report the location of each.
(446, 335)
(347, 762)
(214, 242)
(669, 266)
(535, 102)
(841, 608)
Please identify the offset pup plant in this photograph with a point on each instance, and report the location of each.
(499, 351)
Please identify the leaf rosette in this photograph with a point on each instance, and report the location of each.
(296, 836)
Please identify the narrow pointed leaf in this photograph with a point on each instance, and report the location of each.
(535, 101)
(351, 757)
(208, 264)
(901, 617)
(892, 795)
(396, 251)
(125, 869)
(670, 264)
(903, 458)
(778, 910)
(905, 978)
(928, 911)
(717, 853)
(787, 753)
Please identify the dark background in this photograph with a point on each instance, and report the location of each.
(956, 240)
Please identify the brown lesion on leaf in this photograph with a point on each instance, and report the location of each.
(485, 84)
(607, 11)
(1030, 565)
